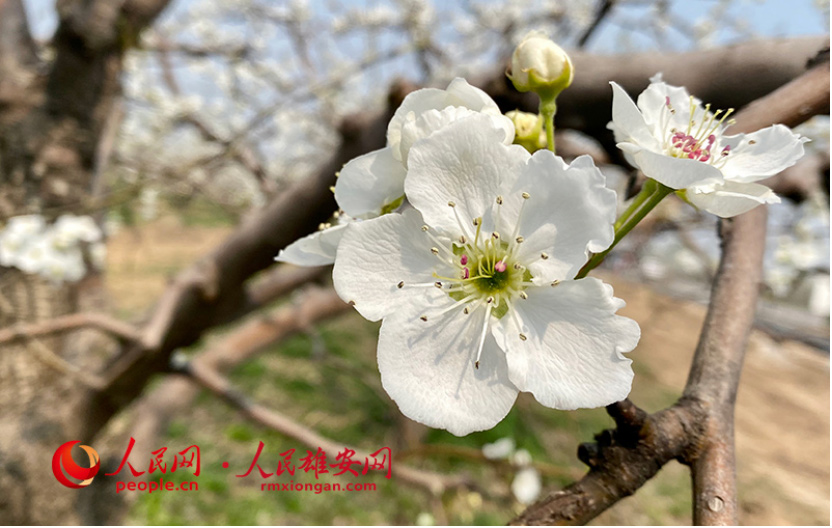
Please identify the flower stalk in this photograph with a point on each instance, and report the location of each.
(548, 109)
(652, 193)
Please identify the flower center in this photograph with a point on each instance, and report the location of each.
(485, 270)
(698, 140)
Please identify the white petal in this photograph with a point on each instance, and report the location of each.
(526, 485)
(430, 121)
(569, 212)
(427, 367)
(317, 249)
(459, 93)
(465, 163)
(463, 94)
(376, 255)
(775, 148)
(370, 182)
(653, 104)
(572, 355)
(730, 198)
(676, 173)
(628, 123)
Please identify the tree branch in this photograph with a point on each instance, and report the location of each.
(75, 321)
(715, 373)
(213, 291)
(208, 378)
(698, 430)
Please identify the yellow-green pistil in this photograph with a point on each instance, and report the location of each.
(485, 270)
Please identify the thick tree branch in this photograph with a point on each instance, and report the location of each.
(715, 373)
(699, 429)
(213, 292)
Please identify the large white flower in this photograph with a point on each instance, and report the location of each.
(373, 184)
(676, 141)
(474, 282)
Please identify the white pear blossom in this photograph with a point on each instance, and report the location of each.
(18, 233)
(373, 184)
(69, 230)
(676, 141)
(53, 252)
(474, 283)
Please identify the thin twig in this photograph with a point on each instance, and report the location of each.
(207, 377)
(66, 323)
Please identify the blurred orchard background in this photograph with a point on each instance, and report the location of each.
(224, 104)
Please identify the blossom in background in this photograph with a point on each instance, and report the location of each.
(19, 231)
(54, 252)
(676, 141)
(372, 185)
(474, 282)
(501, 449)
(526, 484)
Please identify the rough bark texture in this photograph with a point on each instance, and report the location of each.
(51, 120)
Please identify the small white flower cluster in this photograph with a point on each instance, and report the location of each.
(52, 251)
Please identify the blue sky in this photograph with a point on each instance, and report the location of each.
(774, 18)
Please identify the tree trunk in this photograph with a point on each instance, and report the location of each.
(52, 121)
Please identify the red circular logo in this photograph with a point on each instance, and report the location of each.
(63, 466)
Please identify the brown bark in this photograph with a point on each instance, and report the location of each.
(52, 116)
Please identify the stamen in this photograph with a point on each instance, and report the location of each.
(482, 336)
(520, 240)
(500, 266)
(438, 284)
(424, 318)
(555, 283)
(400, 285)
(463, 259)
(523, 337)
(524, 295)
(544, 256)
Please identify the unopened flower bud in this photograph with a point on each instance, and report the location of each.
(528, 130)
(540, 65)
